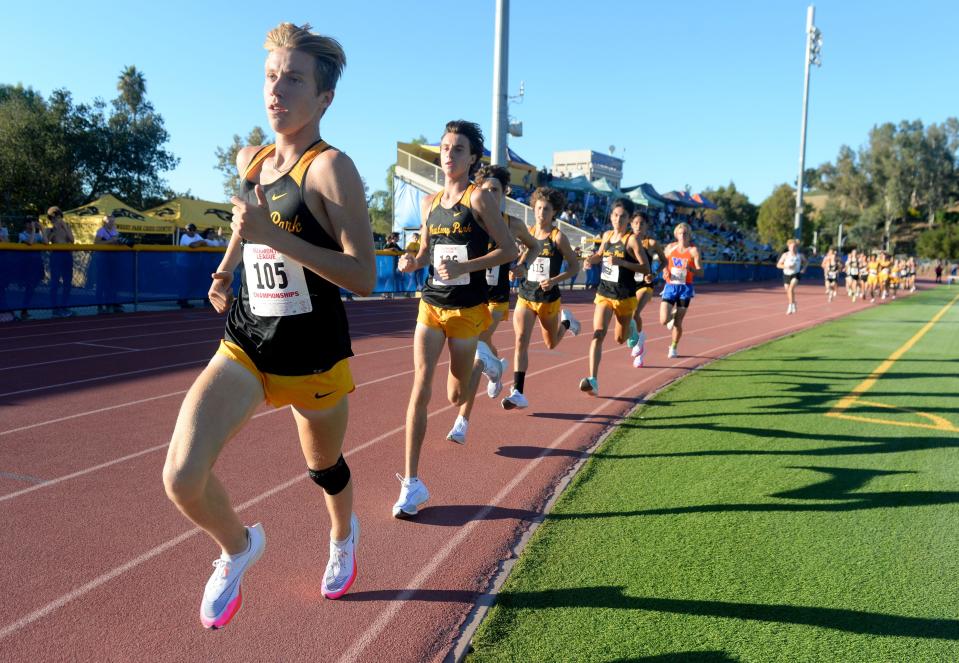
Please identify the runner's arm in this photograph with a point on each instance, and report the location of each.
(488, 216)
(697, 262)
(572, 262)
(641, 265)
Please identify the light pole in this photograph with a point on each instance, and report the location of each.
(813, 57)
(500, 83)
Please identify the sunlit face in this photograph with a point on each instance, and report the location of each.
(543, 211)
(289, 91)
(619, 217)
(681, 233)
(495, 186)
(638, 225)
(455, 157)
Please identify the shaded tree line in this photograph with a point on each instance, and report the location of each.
(54, 151)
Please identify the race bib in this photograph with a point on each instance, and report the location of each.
(449, 253)
(492, 275)
(853, 271)
(539, 270)
(610, 271)
(677, 271)
(276, 285)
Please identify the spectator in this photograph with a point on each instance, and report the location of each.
(61, 263)
(4, 233)
(214, 237)
(187, 266)
(392, 243)
(31, 264)
(107, 267)
(413, 248)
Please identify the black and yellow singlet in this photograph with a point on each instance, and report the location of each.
(288, 319)
(639, 277)
(455, 235)
(497, 278)
(548, 264)
(617, 282)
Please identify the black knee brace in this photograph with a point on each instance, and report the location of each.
(332, 479)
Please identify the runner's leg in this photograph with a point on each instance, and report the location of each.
(321, 439)
(427, 346)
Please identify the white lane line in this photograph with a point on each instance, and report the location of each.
(103, 377)
(381, 622)
(104, 354)
(99, 345)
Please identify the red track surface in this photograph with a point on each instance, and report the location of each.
(96, 564)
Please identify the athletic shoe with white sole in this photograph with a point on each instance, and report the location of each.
(341, 569)
(492, 367)
(633, 339)
(574, 325)
(493, 389)
(515, 401)
(589, 386)
(639, 360)
(640, 347)
(413, 493)
(671, 323)
(222, 597)
(458, 432)
(673, 352)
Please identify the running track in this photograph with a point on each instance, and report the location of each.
(96, 564)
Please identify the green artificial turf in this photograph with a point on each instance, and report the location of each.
(729, 519)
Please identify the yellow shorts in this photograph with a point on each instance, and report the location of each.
(456, 322)
(872, 279)
(543, 310)
(883, 278)
(316, 391)
(499, 307)
(641, 289)
(623, 309)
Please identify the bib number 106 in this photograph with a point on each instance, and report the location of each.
(270, 275)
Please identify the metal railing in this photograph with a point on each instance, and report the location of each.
(433, 174)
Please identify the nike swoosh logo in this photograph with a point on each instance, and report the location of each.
(457, 215)
(277, 197)
(324, 395)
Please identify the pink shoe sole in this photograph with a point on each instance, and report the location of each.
(349, 583)
(231, 609)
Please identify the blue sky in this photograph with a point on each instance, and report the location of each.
(697, 93)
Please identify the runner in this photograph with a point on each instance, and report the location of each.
(644, 282)
(539, 294)
(793, 264)
(458, 225)
(683, 262)
(301, 233)
(872, 280)
(895, 271)
(885, 266)
(911, 280)
(496, 180)
(830, 271)
(622, 257)
(852, 274)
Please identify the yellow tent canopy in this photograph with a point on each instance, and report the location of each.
(87, 219)
(202, 213)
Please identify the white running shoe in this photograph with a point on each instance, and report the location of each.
(589, 386)
(493, 389)
(574, 325)
(341, 569)
(413, 493)
(222, 597)
(640, 347)
(515, 401)
(673, 352)
(458, 432)
(639, 360)
(491, 365)
(671, 323)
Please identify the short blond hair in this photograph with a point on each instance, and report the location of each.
(685, 225)
(327, 53)
(792, 242)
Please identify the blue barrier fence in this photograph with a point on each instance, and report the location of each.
(50, 277)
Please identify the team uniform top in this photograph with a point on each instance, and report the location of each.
(678, 265)
(287, 319)
(852, 267)
(639, 277)
(548, 264)
(791, 264)
(455, 234)
(832, 272)
(497, 278)
(873, 266)
(616, 282)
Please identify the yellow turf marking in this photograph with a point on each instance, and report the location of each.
(856, 394)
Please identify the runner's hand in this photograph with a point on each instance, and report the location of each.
(546, 284)
(252, 221)
(221, 292)
(450, 269)
(406, 263)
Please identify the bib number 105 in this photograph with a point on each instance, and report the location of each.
(270, 275)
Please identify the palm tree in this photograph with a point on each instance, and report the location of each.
(132, 86)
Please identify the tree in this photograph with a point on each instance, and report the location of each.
(941, 242)
(776, 217)
(132, 86)
(226, 159)
(732, 206)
